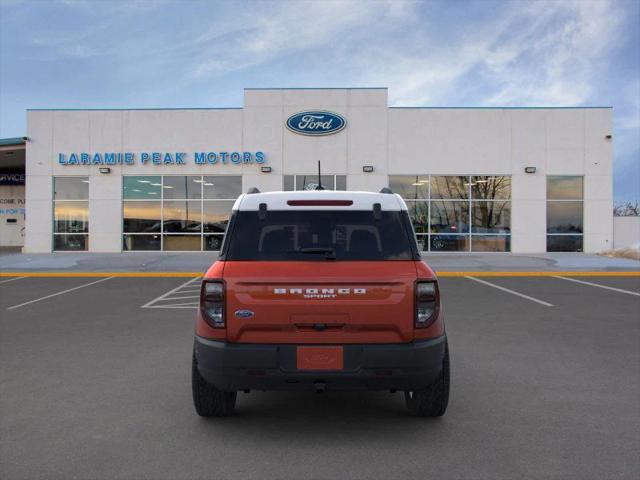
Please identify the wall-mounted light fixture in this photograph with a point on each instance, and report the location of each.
(265, 169)
(367, 168)
(608, 137)
(104, 170)
(529, 169)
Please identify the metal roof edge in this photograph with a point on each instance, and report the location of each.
(12, 141)
(507, 108)
(317, 88)
(126, 109)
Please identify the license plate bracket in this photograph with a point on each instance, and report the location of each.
(320, 358)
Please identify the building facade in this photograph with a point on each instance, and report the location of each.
(522, 180)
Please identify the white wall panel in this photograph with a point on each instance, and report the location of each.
(528, 187)
(528, 140)
(105, 221)
(449, 141)
(262, 131)
(363, 147)
(367, 182)
(265, 182)
(70, 135)
(598, 187)
(315, 98)
(528, 226)
(626, 232)
(598, 218)
(39, 149)
(565, 141)
(38, 225)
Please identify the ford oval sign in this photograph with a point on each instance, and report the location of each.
(316, 122)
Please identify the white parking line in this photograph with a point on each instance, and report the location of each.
(176, 305)
(183, 298)
(628, 292)
(12, 279)
(59, 293)
(541, 302)
(166, 297)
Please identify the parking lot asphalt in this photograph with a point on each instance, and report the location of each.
(545, 384)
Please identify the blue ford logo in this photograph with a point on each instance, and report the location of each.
(244, 313)
(316, 122)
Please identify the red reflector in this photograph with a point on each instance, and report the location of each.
(318, 203)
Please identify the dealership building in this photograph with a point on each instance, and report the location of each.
(524, 180)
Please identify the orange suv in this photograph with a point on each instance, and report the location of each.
(320, 290)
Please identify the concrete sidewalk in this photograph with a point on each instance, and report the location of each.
(151, 262)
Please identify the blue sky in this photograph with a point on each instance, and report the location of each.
(79, 54)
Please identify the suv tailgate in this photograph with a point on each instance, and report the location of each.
(320, 302)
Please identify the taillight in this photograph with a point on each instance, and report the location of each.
(427, 303)
(212, 302)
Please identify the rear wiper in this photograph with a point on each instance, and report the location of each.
(329, 253)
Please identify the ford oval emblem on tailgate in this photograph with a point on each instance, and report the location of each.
(244, 313)
(316, 122)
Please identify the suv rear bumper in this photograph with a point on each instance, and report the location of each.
(236, 366)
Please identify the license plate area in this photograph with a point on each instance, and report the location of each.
(323, 358)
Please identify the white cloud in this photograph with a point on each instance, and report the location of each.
(272, 30)
(542, 53)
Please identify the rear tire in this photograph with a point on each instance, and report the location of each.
(431, 401)
(207, 399)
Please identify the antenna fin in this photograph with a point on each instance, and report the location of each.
(320, 187)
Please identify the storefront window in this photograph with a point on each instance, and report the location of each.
(490, 217)
(141, 217)
(564, 188)
(71, 216)
(70, 213)
(410, 186)
(187, 187)
(221, 188)
(449, 217)
(419, 214)
(564, 214)
(141, 242)
(564, 217)
(458, 213)
(216, 216)
(183, 216)
(71, 188)
(182, 243)
(490, 187)
(310, 182)
(62, 243)
(449, 243)
(142, 187)
(491, 243)
(450, 187)
(564, 243)
(177, 213)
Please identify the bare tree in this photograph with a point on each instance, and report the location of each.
(626, 209)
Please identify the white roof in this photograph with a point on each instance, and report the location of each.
(361, 200)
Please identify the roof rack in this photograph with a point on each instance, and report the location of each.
(386, 190)
(253, 190)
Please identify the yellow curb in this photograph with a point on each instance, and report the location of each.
(539, 274)
(103, 274)
(199, 274)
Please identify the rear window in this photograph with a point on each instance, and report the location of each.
(319, 235)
